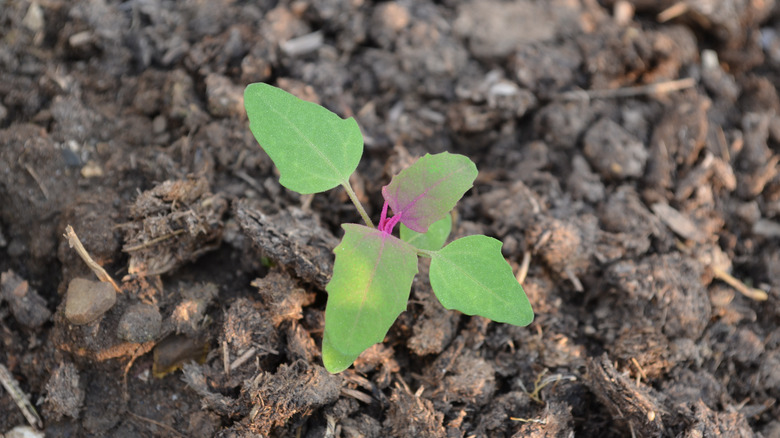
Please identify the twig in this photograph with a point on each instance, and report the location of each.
(354, 393)
(524, 265)
(573, 278)
(672, 12)
(641, 371)
(541, 382)
(750, 292)
(20, 398)
(542, 240)
(243, 358)
(154, 241)
(156, 423)
(75, 243)
(330, 429)
(37, 179)
(226, 358)
(529, 420)
(641, 90)
(249, 180)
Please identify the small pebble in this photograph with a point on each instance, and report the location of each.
(24, 432)
(140, 323)
(88, 300)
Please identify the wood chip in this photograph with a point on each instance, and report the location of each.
(679, 223)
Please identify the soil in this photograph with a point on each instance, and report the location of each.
(628, 155)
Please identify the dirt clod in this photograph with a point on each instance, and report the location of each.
(64, 393)
(27, 306)
(656, 281)
(291, 390)
(613, 152)
(174, 222)
(410, 415)
(631, 405)
(292, 239)
(189, 313)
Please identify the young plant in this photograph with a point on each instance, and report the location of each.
(315, 150)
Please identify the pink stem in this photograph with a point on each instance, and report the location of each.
(383, 218)
(391, 224)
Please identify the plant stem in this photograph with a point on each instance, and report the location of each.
(353, 197)
(426, 253)
(383, 217)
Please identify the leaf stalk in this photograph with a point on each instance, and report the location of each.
(353, 197)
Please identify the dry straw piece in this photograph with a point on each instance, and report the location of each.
(75, 243)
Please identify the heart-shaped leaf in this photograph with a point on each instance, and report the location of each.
(427, 190)
(314, 149)
(433, 239)
(471, 275)
(372, 278)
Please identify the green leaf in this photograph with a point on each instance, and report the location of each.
(372, 278)
(433, 239)
(314, 149)
(426, 191)
(334, 360)
(471, 275)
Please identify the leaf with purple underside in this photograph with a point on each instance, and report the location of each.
(427, 190)
(372, 278)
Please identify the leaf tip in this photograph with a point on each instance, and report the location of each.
(334, 360)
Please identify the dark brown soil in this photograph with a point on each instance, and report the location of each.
(629, 150)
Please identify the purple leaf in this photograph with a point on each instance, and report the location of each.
(427, 190)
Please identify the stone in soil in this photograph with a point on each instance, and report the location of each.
(140, 323)
(88, 300)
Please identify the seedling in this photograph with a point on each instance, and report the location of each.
(315, 150)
